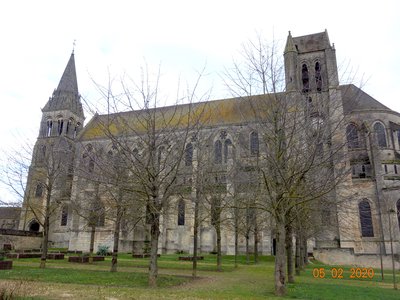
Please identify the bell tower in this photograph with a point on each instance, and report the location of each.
(310, 63)
(50, 175)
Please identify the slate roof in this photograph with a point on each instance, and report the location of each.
(66, 96)
(356, 100)
(312, 42)
(9, 212)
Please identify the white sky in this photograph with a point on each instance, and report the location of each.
(37, 38)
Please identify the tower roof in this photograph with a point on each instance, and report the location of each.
(66, 96)
(68, 80)
(312, 42)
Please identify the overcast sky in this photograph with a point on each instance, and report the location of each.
(37, 39)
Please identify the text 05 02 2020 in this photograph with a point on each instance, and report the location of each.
(339, 273)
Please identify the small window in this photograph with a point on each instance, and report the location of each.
(254, 143)
(64, 215)
(189, 154)
(380, 135)
(386, 169)
(181, 212)
(218, 152)
(395, 169)
(39, 190)
(367, 229)
(305, 78)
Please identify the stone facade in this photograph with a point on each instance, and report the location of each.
(365, 214)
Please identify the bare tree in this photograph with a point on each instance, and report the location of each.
(151, 140)
(301, 142)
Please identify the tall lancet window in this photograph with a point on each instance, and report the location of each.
(226, 150)
(69, 126)
(380, 135)
(181, 212)
(189, 154)
(254, 144)
(318, 77)
(352, 136)
(305, 78)
(60, 126)
(218, 152)
(367, 229)
(49, 127)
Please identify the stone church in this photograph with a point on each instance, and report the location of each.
(368, 225)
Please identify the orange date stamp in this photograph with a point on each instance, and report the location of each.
(339, 273)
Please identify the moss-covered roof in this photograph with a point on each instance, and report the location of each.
(211, 113)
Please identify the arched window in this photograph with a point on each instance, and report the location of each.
(189, 154)
(60, 126)
(398, 212)
(380, 134)
(69, 126)
(181, 212)
(254, 144)
(34, 226)
(226, 149)
(39, 190)
(367, 229)
(318, 77)
(218, 152)
(49, 127)
(305, 78)
(352, 136)
(64, 215)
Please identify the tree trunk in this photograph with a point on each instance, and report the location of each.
(301, 258)
(154, 235)
(255, 242)
(45, 242)
(219, 255)
(305, 254)
(236, 240)
(195, 233)
(280, 258)
(46, 226)
(91, 247)
(114, 260)
(289, 253)
(247, 248)
(297, 254)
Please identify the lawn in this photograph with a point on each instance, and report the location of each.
(64, 280)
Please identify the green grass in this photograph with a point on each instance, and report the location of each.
(87, 277)
(94, 281)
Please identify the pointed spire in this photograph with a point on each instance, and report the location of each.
(66, 96)
(290, 47)
(69, 82)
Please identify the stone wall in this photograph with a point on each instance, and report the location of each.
(346, 256)
(20, 239)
